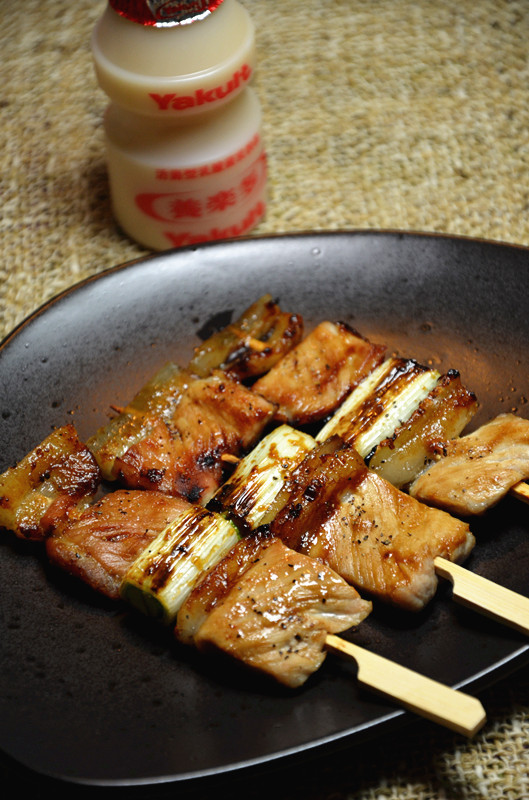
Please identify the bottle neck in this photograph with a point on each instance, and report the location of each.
(175, 72)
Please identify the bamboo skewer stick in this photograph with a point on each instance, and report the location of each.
(256, 344)
(250, 341)
(485, 596)
(478, 593)
(521, 491)
(229, 458)
(446, 706)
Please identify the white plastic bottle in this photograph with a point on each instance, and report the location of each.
(185, 155)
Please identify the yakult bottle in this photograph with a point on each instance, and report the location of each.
(185, 155)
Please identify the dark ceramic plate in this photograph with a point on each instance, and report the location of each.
(92, 694)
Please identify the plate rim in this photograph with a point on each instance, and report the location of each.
(301, 234)
(481, 680)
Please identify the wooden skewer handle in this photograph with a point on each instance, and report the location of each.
(521, 491)
(455, 710)
(485, 596)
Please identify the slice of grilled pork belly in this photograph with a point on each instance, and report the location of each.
(311, 381)
(375, 536)
(182, 456)
(52, 483)
(155, 400)
(101, 545)
(271, 608)
(476, 471)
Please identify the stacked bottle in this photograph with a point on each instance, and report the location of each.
(186, 161)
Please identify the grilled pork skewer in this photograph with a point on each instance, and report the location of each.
(405, 421)
(273, 609)
(151, 549)
(240, 609)
(323, 499)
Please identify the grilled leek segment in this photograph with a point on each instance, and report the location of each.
(156, 399)
(396, 419)
(440, 417)
(248, 495)
(161, 578)
(259, 486)
(380, 403)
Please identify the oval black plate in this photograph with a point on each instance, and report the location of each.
(92, 694)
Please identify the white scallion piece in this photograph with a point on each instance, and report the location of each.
(161, 578)
(380, 403)
(249, 493)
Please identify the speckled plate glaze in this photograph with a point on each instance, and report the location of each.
(92, 694)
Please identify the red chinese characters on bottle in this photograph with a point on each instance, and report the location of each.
(204, 212)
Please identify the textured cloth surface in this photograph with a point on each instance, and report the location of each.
(377, 114)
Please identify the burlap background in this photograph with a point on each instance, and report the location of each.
(379, 114)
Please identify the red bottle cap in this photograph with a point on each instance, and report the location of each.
(164, 13)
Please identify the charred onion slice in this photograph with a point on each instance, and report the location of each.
(252, 344)
(157, 399)
(440, 417)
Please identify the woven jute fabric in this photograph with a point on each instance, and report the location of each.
(377, 114)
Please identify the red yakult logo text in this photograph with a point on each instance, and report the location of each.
(182, 102)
